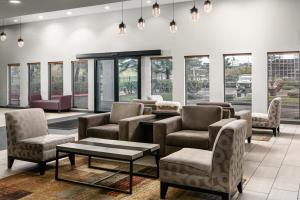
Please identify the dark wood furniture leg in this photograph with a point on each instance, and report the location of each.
(42, 167)
(10, 162)
(163, 190)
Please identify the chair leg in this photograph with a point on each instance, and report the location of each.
(274, 131)
(240, 187)
(10, 162)
(72, 159)
(163, 190)
(278, 129)
(42, 167)
(249, 139)
(225, 196)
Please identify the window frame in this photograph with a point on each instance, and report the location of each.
(185, 74)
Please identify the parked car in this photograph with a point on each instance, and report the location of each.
(244, 84)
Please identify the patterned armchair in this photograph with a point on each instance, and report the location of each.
(28, 138)
(270, 120)
(219, 171)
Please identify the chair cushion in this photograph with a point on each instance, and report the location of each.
(44, 143)
(260, 117)
(107, 131)
(189, 138)
(188, 161)
(125, 110)
(200, 117)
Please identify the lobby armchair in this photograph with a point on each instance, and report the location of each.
(122, 123)
(219, 171)
(270, 120)
(197, 127)
(28, 138)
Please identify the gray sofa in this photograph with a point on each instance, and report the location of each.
(122, 123)
(197, 127)
(28, 138)
(229, 112)
(219, 171)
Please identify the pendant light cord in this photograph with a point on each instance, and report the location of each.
(122, 10)
(141, 8)
(3, 25)
(20, 28)
(173, 9)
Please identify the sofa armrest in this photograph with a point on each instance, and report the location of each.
(214, 129)
(162, 128)
(246, 115)
(130, 129)
(86, 122)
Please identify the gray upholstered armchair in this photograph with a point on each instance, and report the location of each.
(122, 123)
(270, 120)
(229, 112)
(197, 127)
(218, 171)
(28, 138)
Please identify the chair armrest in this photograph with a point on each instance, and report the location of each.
(246, 115)
(162, 128)
(130, 130)
(91, 121)
(214, 129)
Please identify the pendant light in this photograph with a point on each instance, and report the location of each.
(21, 42)
(122, 26)
(173, 26)
(155, 9)
(207, 6)
(3, 34)
(141, 21)
(194, 13)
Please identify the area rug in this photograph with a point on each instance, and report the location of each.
(261, 135)
(32, 186)
(64, 125)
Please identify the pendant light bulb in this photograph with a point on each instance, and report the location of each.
(207, 6)
(3, 36)
(194, 14)
(21, 42)
(122, 28)
(155, 10)
(141, 23)
(173, 26)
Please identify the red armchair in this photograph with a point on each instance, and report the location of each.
(59, 104)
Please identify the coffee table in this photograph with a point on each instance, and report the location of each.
(109, 149)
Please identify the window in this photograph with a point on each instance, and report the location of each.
(284, 82)
(80, 84)
(55, 79)
(196, 79)
(161, 77)
(238, 80)
(14, 84)
(34, 78)
(128, 78)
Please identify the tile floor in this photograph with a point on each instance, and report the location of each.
(272, 168)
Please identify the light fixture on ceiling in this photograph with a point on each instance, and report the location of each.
(122, 26)
(141, 21)
(207, 6)
(148, 1)
(21, 42)
(69, 13)
(14, 1)
(106, 7)
(195, 13)
(41, 17)
(173, 26)
(3, 34)
(16, 21)
(155, 9)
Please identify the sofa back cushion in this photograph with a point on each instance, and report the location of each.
(121, 110)
(26, 123)
(224, 105)
(200, 117)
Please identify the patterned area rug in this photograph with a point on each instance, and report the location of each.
(32, 186)
(261, 134)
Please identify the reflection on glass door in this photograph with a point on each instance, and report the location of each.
(34, 78)
(14, 84)
(80, 84)
(128, 79)
(105, 85)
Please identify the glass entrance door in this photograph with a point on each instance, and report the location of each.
(117, 79)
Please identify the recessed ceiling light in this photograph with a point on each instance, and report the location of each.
(14, 1)
(106, 7)
(16, 21)
(148, 1)
(41, 17)
(69, 13)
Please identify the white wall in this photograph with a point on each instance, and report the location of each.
(234, 26)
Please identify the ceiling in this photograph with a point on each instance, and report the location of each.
(27, 7)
